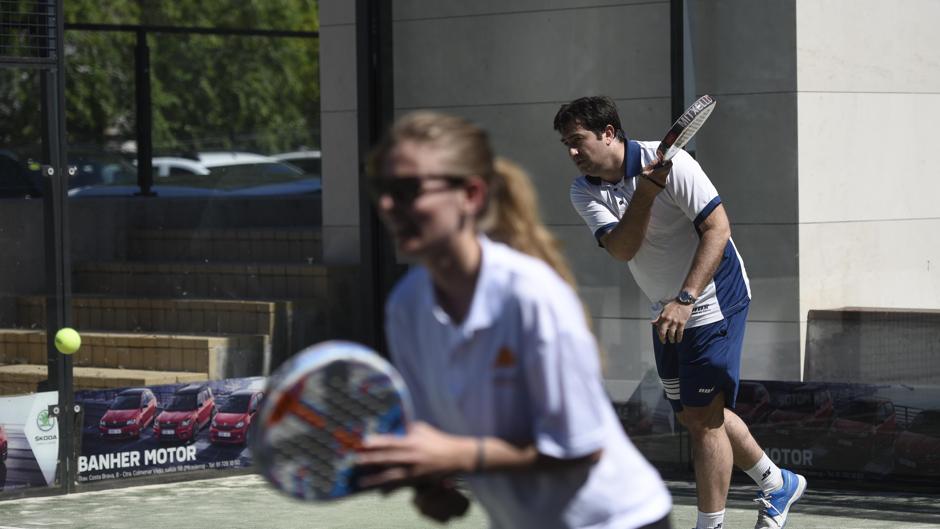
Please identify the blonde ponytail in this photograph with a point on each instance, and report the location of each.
(513, 218)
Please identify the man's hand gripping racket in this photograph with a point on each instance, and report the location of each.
(318, 409)
(678, 137)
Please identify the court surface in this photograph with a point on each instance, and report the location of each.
(246, 502)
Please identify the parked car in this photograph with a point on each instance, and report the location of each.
(170, 166)
(233, 165)
(4, 445)
(191, 409)
(228, 173)
(98, 168)
(753, 402)
(130, 412)
(865, 424)
(307, 160)
(233, 420)
(21, 171)
(19, 178)
(917, 449)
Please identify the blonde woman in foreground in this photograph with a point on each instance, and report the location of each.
(493, 344)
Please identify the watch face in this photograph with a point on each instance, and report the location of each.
(685, 298)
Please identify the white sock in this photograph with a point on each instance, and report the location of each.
(766, 474)
(710, 520)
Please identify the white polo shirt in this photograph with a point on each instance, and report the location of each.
(523, 367)
(665, 256)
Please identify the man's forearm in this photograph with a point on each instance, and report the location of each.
(624, 241)
(707, 258)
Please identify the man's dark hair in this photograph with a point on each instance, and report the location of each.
(594, 113)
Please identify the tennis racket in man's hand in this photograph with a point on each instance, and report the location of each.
(685, 127)
(317, 409)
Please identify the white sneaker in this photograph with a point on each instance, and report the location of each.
(775, 506)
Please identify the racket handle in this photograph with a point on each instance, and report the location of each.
(441, 500)
(662, 162)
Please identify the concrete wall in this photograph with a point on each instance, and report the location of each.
(744, 54)
(509, 65)
(819, 146)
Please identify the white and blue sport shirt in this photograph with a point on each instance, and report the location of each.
(523, 366)
(672, 237)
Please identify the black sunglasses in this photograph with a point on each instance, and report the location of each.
(405, 189)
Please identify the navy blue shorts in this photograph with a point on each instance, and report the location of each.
(705, 362)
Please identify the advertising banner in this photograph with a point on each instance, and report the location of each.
(148, 431)
(29, 441)
(841, 430)
(825, 429)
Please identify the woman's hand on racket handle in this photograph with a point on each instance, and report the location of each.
(424, 451)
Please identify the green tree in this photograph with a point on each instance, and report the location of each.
(208, 91)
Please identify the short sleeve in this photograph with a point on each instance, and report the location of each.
(563, 379)
(598, 217)
(692, 191)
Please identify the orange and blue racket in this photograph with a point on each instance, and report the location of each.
(318, 408)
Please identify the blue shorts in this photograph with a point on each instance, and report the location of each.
(706, 361)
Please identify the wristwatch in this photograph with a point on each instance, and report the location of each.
(684, 298)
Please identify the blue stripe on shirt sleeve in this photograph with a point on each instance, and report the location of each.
(603, 230)
(706, 211)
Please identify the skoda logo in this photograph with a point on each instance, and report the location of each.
(44, 421)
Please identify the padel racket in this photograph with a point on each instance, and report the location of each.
(318, 407)
(685, 127)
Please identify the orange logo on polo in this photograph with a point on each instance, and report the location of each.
(505, 358)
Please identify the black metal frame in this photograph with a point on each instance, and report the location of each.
(43, 32)
(379, 268)
(46, 25)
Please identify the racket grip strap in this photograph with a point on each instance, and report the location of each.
(661, 186)
(480, 463)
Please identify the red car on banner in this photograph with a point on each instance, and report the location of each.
(865, 426)
(192, 408)
(917, 449)
(231, 423)
(130, 412)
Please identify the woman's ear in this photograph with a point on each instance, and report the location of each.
(476, 189)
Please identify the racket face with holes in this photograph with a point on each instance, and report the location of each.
(685, 127)
(318, 408)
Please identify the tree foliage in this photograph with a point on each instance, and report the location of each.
(208, 91)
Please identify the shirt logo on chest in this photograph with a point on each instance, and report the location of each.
(505, 358)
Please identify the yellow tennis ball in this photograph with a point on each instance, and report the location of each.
(67, 340)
